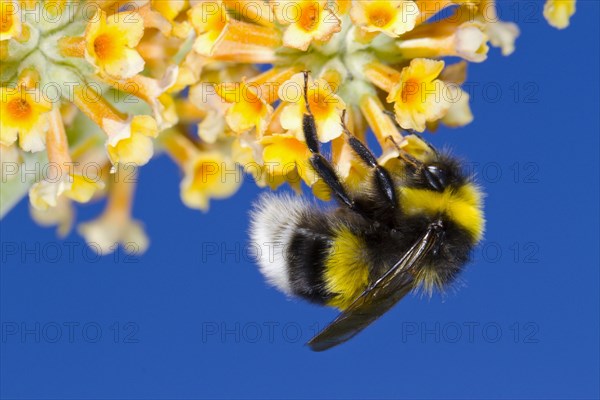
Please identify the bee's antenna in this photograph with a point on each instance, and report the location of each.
(410, 131)
(344, 126)
(305, 73)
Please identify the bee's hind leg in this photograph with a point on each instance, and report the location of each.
(320, 164)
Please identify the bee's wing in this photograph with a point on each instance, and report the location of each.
(377, 298)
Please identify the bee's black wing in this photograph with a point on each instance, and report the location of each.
(379, 297)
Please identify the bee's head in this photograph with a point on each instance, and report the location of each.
(436, 173)
(437, 187)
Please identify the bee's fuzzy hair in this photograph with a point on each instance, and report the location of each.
(274, 219)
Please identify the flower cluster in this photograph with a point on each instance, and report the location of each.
(92, 90)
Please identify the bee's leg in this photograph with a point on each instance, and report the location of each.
(410, 131)
(383, 181)
(320, 164)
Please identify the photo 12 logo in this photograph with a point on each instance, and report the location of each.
(257, 332)
(470, 332)
(69, 332)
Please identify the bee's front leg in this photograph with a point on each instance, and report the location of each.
(321, 165)
(383, 181)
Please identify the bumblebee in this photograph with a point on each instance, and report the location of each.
(404, 230)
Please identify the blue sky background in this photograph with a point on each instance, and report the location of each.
(182, 322)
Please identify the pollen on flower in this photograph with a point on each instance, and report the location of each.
(104, 47)
(19, 108)
(309, 17)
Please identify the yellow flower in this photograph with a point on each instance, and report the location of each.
(350, 168)
(248, 110)
(448, 37)
(285, 158)
(153, 92)
(83, 188)
(418, 96)
(111, 42)
(105, 234)
(324, 104)
(45, 194)
(115, 226)
(169, 8)
(459, 113)
(10, 20)
(306, 21)
(338, 42)
(23, 114)
(558, 12)
(208, 175)
(131, 141)
(221, 80)
(208, 172)
(209, 19)
(382, 125)
(62, 216)
(501, 34)
(392, 18)
(222, 37)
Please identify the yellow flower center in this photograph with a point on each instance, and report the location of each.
(6, 22)
(104, 46)
(19, 108)
(206, 175)
(410, 91)
(309, 17)
(380, 16)
(319, 103)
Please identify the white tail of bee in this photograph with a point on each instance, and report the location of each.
(273, 221)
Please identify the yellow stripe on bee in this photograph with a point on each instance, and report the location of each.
(346, 272)
(462, 205)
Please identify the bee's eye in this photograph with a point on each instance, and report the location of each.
(436, 177)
